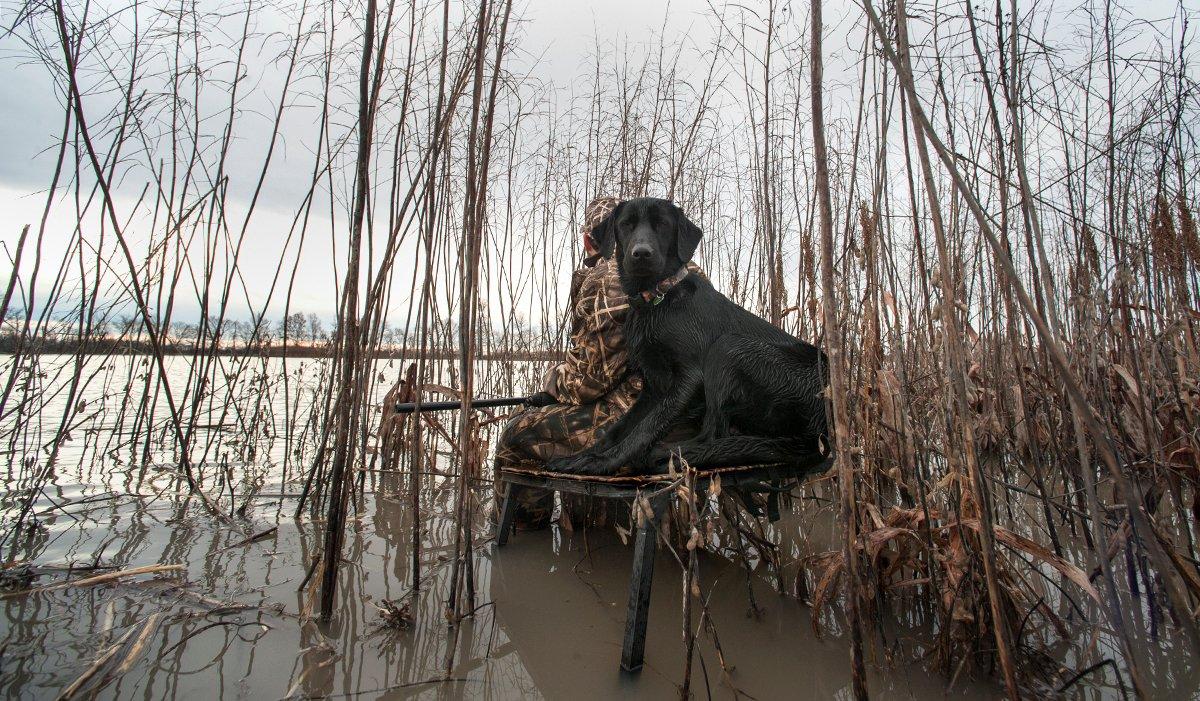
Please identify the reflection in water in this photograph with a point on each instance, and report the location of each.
(235, 623)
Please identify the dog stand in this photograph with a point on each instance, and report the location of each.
(646, 541)
(644, 547)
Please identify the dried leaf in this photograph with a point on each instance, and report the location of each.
(1132, 425)
(826, 586)
(643, 511)
(1130, 383)
(1019, 542)
(876, 517)
(890, 301)
(877, 538)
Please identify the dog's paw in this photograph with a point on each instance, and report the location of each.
(578, 464)
(586, 463)
(647, 464)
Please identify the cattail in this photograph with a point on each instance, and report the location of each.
(867, 223)
(1164, 241)
(1187, 229)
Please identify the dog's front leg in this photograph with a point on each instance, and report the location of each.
(638, 438)
(589, 460)
(618, 429)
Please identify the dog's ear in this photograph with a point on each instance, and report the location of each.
(687, 235)
(605, 233)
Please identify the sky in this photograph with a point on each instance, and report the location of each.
(556, 40)
(557, 44)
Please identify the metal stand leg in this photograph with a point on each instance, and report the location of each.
(773, 504)
(508, 512)
(634, 648)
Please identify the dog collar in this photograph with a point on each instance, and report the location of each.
(656, 295)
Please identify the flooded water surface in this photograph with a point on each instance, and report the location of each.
(220, 610)
(232, 623)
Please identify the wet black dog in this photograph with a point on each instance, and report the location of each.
(759, 389)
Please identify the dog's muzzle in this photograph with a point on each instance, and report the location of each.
(642, 261)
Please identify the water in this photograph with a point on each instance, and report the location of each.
(551, 627)
(234, 623)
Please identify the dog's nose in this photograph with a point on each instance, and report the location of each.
(640, 251)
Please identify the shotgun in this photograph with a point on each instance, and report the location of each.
(411, 407)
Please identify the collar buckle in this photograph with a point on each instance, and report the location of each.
(659, 293)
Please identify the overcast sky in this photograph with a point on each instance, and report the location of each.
(557, 40)
(557, 45)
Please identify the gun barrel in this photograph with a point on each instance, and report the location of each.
(411, 407)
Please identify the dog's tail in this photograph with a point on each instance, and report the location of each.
(734, 451)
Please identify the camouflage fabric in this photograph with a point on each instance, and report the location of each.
(593, 385)
(539, 434)
(595, 213)
(595, 362)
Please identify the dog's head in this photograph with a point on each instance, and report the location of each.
(651, 239)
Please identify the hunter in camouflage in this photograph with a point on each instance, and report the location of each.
(592, 387)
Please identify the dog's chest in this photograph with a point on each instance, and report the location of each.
(648, 338)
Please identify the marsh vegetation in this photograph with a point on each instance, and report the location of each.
(986, 213)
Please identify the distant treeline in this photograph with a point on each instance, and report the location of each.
(296, 335)
(111, 346)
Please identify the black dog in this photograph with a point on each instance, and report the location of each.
(759, 389)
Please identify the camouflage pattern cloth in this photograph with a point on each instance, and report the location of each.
(596, 358)
(593, 385)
